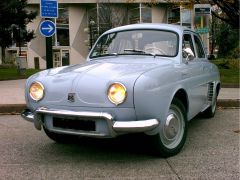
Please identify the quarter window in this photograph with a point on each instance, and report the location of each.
(187, 42)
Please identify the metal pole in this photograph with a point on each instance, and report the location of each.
(49, 53)
(140, 12)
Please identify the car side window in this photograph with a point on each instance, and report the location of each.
(188, 43)
(199, 47)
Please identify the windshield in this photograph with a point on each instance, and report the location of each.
(137, 42)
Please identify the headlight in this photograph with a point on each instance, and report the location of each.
(117, 93)
(36, 91)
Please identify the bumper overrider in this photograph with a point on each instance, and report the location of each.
(44, 117)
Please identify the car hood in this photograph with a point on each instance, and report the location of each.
(89, 82)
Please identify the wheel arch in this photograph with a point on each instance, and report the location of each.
(181, 94)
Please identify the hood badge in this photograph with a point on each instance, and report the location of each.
(71, 97)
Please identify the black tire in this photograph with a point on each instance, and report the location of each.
(211, 110)
(60, 138)
(173, 131)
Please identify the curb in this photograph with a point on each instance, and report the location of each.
(18, 108)
(12, 108)
(228, 103)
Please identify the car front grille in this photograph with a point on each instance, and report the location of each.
(74, 124)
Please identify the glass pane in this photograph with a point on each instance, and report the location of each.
(65, 57)
(63, 16)
(62, 23)
(134, 16)
(62, 37)
(140, 42)
(146, 15)
(188, 43)
(186, 17)
(174, 16)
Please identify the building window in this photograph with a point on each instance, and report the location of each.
(104, 16)
(61, 37)
(186, 17)
(180, 16)
(174, 16)
(140, 13)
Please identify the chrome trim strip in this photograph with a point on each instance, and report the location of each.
(27, 115)
(135, 126)
(104, 115)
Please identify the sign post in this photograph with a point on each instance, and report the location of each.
(48, 10)
(201, 22)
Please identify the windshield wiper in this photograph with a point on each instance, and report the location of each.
(140, 51)
(102, 55)
(134, 50)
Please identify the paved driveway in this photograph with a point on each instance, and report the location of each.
(211, 152)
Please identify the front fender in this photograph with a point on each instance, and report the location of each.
(153, 93)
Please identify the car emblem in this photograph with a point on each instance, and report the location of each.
(71, 97)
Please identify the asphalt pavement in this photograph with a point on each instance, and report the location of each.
(211, 152)
(12, 96)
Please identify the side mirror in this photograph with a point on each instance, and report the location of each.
(188, 54)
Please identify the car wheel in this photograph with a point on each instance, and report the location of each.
(173, 131)
(59, 138)
(210, 111)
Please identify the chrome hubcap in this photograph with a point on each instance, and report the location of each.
(173, 129)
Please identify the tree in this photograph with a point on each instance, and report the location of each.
(228, 11)
(14, 18)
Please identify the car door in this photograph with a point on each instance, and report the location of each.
(206, 67)
(192, 74)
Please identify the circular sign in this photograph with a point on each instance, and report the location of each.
(47, 28)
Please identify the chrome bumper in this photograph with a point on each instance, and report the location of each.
(115, 127)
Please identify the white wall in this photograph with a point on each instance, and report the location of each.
(159, 14)
(77, 23)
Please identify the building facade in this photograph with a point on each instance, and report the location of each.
(80, 22)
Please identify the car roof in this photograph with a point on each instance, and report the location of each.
(158, 26)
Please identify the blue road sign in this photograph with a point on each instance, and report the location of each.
(49, 8)
(47, 28)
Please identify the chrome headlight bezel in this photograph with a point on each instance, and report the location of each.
(120, 87)
(41, 89)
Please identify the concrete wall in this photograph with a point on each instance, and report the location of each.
(159, 14)
(77, 23)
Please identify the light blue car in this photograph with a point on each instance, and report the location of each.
(149, 78)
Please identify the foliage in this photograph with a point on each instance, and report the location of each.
(13, 21)
(229, 70)
(7, 73)
(227, 10)
(227, 39)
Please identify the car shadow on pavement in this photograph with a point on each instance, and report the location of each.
(121, 147)
(134, 145)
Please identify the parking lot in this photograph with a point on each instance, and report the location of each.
(211, 152)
